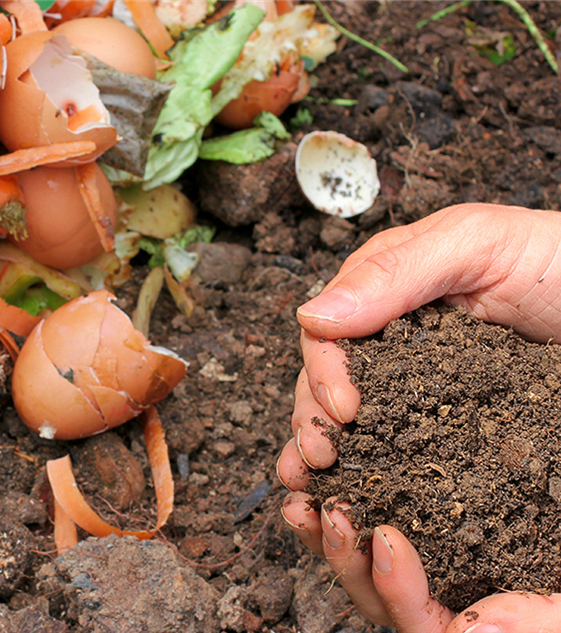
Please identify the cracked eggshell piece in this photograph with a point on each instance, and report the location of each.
(336, 174)
(86, 369)
(49, 97)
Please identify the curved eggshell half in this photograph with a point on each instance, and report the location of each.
(46, 401)
(86, 368)
(28, 118)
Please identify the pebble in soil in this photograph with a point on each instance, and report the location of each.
(457, 444)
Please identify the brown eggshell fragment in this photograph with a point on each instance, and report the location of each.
(29, 118)
(62, 346)
(113, 42)
(114, 406)
(46, 401)
(84, 369)
(60, 231)
(165, 364)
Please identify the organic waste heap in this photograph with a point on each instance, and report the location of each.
(456, 443)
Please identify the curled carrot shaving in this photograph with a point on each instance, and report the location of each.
(154, 31)
(5, 29)
(86, 176)
(66, 534)
(44, 155)
(11, 346)
(71, 501)
(16, 319)
(28, 15)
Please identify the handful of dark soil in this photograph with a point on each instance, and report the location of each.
(457, 444)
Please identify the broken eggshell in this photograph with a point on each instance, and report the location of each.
(86, 369)
(336, 174)
(49, 97)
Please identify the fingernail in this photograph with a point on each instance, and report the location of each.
(278, 475)
(382, 553)
(325, 399)
(302, 531)
(333, 536)
(484, 628)
(300, 449)
(334, 305)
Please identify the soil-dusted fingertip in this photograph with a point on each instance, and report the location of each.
(332, 535)
(291, 469)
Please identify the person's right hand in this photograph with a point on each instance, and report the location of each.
(503, 264)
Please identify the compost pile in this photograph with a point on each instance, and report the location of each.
(456, 443)
(457, 127)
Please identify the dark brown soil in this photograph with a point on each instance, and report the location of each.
(456, 443)
(455, 128)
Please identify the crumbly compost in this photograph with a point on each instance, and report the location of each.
(456, 443)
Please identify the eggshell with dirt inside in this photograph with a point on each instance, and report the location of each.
(337, 175)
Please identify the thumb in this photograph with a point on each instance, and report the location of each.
(510, 613)
(398, 271)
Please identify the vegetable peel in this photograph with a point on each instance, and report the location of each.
(76, 508)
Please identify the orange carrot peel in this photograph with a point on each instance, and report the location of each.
(86, 175)
(16, 320)
(151, 27)
(10, 345)
(76, 508)
(28, 15)
(44, 155)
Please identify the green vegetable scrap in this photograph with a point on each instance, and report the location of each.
(247, 146)
(200, 60)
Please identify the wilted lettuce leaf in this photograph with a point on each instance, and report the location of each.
(247, 146)
(201, 60)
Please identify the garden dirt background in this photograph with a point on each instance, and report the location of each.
(455, 128)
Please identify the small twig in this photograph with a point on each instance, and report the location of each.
(359, 40)
(443, 13)
(534, 32)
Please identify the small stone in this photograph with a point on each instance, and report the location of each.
(16, 543)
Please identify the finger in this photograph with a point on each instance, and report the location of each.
(303, 520)
(393, 281)
(510, 613)
(352, 562)
(328, 378)
(291, 468)
(314, 429)
(402, 584)
(385, 240)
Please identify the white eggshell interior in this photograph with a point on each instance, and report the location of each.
(336, 174)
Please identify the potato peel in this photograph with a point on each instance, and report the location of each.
(76, 509)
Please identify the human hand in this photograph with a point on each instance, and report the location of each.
(501, 263)
(385, 579)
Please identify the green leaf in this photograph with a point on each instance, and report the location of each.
(37, 298)
(199, 61)
(504, 51)
(247, 146)
(45, 5)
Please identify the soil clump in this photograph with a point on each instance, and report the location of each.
(456, 443)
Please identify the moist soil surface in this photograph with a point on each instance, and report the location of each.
(456, 443)
(455, 128)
